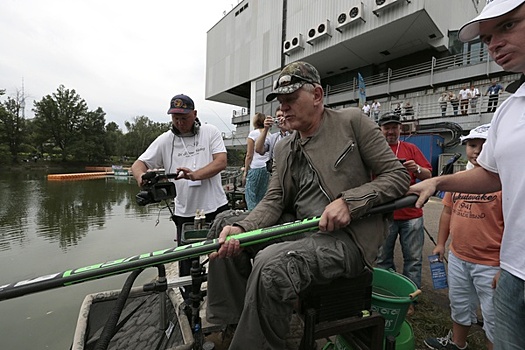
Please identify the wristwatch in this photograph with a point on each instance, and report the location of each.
(418, 170)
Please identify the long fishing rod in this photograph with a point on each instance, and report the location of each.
(114, 267)
(447, 169)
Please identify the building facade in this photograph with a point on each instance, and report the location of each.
(406, 51)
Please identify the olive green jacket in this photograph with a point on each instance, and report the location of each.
(352, 160)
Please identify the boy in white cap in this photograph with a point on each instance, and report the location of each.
(474, 222)
(500, 26)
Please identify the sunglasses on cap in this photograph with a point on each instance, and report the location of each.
(291, 79)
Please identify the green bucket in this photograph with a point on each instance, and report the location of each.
(405, 340)
(392, 294)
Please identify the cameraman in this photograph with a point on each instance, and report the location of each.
(197, 154)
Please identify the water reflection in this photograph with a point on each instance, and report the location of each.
(61, 211)
(16, 202)
(50, 226)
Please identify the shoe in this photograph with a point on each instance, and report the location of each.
(444, 343)
(222, 339)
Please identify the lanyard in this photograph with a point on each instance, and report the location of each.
(397, 149)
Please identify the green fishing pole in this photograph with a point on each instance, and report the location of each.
(131, 263)
(114, 267)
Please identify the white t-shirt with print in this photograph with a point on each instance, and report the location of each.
(170, 152)
(464, 94)
(502, 154)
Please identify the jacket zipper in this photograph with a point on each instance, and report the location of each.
(350, 148)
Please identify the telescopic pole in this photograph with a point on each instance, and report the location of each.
(114, 267)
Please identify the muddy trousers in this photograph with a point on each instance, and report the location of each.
(260, 300)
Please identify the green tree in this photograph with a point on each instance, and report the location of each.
(141, 132)
(59, 118)
(89, 146)
(113, 142)
(12, 123)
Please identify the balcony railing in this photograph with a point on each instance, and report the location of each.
(430, 67)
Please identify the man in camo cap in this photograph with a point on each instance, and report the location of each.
(292, 77)
(322, 169)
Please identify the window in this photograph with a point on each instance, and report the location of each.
(263, 87)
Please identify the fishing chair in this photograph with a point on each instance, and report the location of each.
(342, 307)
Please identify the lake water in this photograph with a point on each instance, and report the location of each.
(53, 226)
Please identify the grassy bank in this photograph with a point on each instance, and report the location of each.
(432, 319)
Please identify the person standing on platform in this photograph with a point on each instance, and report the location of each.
(464, 97)
(474, 97)
(366, 109)
(454, 102)
(443, 102)
(376, 110)
(493, 92)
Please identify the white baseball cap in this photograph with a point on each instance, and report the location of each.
(493, 9)
(479, 132)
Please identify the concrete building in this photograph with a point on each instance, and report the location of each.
(405, 50)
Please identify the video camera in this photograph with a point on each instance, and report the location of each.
(156, 188)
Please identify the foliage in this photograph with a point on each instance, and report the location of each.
(113, 140)
(64, 129)
(89, 146)
(142, 132)
(59, 117)
(12, 124)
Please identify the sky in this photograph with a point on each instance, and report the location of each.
(128, 57)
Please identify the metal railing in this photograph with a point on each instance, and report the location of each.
(430, 67)
(433, 109)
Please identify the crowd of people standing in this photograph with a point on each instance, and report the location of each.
(467, 99)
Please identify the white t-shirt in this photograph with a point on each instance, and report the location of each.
(503, 154)
(258, 161)
(376, 106)
(464, 94)
(366, 109)
(170, 152)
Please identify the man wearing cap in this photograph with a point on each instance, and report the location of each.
(197, 154)
(322, 169)
(408, 222)
(500, 26)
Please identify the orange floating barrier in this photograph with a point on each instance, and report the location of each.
(76, 176)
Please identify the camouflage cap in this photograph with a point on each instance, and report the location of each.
(292, 77)
(388, 118)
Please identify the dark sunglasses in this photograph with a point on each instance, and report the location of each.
(291, 79)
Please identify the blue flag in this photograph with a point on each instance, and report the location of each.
(362, 90)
